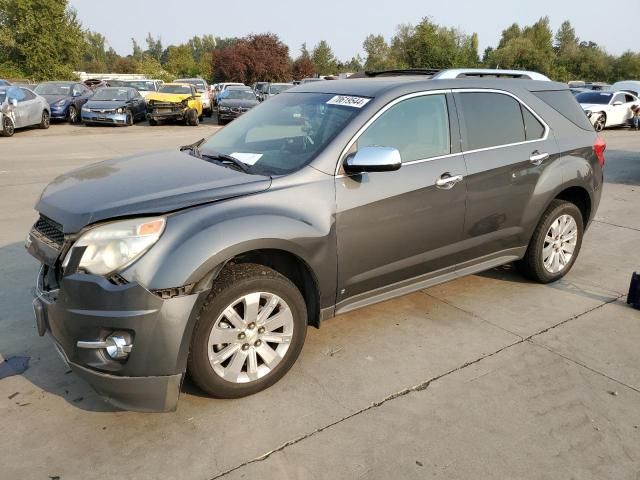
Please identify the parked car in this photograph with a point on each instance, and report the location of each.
(223, 86)
(114, 106)
(607, 109)
(65, 99)
(259, 88)
(311, 80)
(235, 101)
(145, 87)
(203, 88)
(175, 101)
(95, 83)
(274, 89)
(309, 206)
(631, 86)
(20, 107)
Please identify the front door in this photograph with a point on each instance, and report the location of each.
(396, 228)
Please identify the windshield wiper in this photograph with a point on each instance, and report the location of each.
(193, 147)
(222, 158)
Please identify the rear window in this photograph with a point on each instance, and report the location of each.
(563, 102)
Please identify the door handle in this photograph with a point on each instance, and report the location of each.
(447, 181)
(537, 158)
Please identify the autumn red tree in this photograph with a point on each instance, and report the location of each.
(303, 68)
(262, 57)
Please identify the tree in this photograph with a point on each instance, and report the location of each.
(323, 58)
(41, 39)
(94, 58)
(303, 67)
(137, 51)
(154, 47)
(262, 57)
(180, 61)
(378, 53)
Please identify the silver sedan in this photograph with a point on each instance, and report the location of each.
(21, 107)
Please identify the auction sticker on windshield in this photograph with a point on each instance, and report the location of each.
(349, 101)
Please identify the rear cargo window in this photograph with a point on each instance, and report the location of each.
(563, 102)
(533, 129)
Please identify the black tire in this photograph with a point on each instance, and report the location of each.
(73, 115)
(194, 119)
(532, 265)
(153, 122)
(234, 282)
(209, 112)
(221, 122)
(129, 118)
(8, 128)
(45, 122)
(600, 122)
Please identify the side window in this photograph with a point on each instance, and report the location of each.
(16, 93)
(618, 98)
(28, 94)
(418, 127)
(490, 119)
(628, 98)
(533, 129)
(76, 90)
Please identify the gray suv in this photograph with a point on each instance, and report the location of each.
(212, 260)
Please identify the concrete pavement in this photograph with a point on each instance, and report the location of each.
(489, 376)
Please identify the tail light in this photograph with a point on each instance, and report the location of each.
(599, 147)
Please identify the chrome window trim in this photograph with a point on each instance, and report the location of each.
(386, 107)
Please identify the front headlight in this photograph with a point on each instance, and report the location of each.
(85, 109)
(60, 103)
(115, 245)
(120, 110)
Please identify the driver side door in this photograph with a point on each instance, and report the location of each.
(397, 229)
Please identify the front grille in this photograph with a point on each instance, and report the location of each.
(50, 230)
(95, 110)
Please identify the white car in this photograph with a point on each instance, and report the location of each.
(631, 86)
(21, 107)
(607, 109)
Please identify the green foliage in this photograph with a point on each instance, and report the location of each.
(180, 61)
(378, 53)
(323, 58)
(41, 39)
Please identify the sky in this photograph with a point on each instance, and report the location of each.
(346, 23)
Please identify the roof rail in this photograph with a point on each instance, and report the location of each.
(402, 71)
(489, 72)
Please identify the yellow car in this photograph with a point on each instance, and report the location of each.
(175, 101)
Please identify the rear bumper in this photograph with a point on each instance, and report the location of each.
(89, 308)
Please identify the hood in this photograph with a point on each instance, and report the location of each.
(594, 106)
(54, 98)
(153, 183)
(234, 102)
(168, 97)
(105, 104)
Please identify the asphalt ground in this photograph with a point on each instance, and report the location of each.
(489, 376)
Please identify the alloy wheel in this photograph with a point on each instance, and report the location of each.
(560, 243)
(73, 115)
(46, 120)
(251, 337)
(8, 127)
(600, 123)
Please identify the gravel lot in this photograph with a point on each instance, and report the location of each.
(488, 376)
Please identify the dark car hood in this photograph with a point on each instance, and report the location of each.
(54, 98)
(236, 102)
(105, 104)
(144, 184)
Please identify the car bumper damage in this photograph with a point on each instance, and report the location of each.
(116, 335)
(106, 118)
(166, 111)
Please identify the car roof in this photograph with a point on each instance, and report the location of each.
(239, 87)
(178, 84)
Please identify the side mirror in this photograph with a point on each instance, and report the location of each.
(373, 159)
(617, 104)
(77, 94)
(13, 102)
(198, 95)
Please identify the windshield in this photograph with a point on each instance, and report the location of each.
(144, 86)
(238, 94)
(279, 88)
(53, 89)
(284, 134)
(594, 97)
(196, 82)
(180, 89)
(112, 94)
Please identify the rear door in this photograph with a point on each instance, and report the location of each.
(395, 228)
(507, 147)
(31, 107)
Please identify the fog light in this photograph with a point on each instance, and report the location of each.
(117, 347)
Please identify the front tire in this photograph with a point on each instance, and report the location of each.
(249, 332)
(555, 243)
(153, 122)
(600, 123)
(73, 115)
(8, 128)
(129, 118)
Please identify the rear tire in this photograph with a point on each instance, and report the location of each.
(231, 361)
(555, 243)
(45, 122)
(153, 122)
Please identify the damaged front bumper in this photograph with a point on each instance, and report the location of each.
(166, 112)
(81, 309)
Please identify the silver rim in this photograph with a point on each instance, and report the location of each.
(251, 337)
(45, 119)
(600, 123)
(72, 114)
(560, 243)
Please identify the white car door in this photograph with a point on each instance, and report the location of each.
(31, 107)
(619, 112)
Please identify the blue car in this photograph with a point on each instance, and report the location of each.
(114, 106)
(65, 99)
